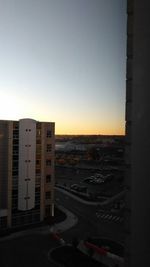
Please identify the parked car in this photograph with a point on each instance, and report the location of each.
(87, 180)
(74, 186)
(79, 188)
(99, 175)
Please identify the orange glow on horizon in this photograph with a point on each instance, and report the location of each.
(65, 123)
(65, 131)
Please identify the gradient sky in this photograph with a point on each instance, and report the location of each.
(64, 61)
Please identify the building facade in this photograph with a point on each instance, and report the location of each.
(137, 223)
(26, 172)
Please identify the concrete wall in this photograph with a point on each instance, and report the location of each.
(27, 161)
(138, 134)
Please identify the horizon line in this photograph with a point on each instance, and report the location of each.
(92, 134)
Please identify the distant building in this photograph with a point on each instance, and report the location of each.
(26, 172)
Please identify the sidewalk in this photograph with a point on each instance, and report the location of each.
(59, 227)
(68, 223)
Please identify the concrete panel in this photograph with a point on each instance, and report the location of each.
(27, 158)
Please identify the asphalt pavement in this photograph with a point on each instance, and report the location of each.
(31, 248)
(88, 222)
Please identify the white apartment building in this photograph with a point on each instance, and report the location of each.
(26, 172)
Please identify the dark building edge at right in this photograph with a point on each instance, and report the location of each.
(137, 225)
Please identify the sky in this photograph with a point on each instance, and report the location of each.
(64, 61)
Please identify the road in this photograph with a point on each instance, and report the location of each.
(88, 223)
(32, 249)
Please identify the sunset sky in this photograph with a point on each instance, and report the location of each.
(64, 61)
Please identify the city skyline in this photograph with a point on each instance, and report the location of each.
(64, 61)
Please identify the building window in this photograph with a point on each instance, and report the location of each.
(3, 222)
(49, 147)
(15, 152)
(47, 210)
(38, 171)
(37, 162)
(38, 149)
(37, 189)
(38, 133)
(15, 157)
(38, 180)
(15, 168)
(14, 202)
(15, 125)
(27, 179)
(15, 134)
(48, 178)
(15, 183)
(48, 162)
(48, 195)
(15, 165)
(49, 133)
(15, 141)
(15, 193)
(15, 172)
(26, 198)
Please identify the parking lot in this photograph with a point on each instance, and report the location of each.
(93, 180)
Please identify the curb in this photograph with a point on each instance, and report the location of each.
(89, 202)
(68, 223)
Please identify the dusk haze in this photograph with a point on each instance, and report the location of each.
(74, 133)
(64, 61)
